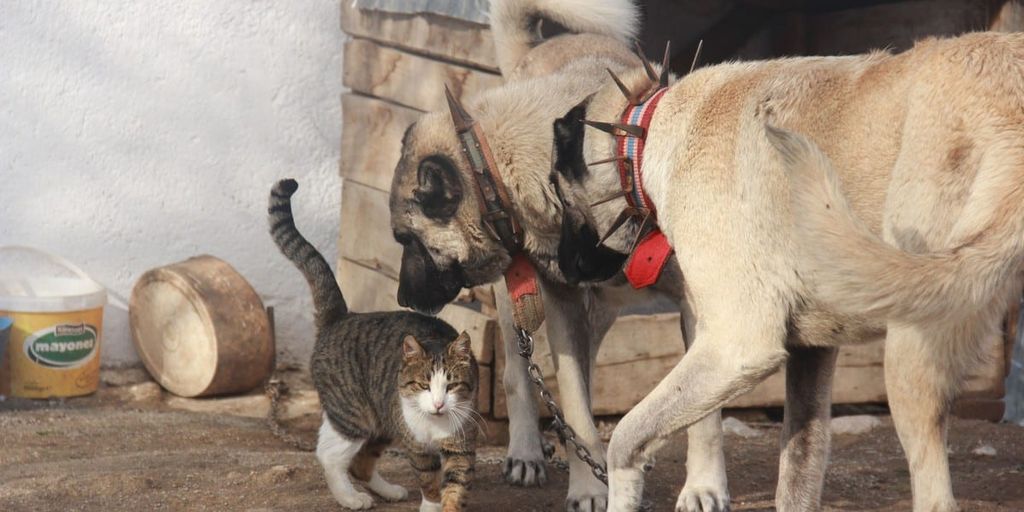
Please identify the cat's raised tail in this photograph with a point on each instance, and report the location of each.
(330, 304)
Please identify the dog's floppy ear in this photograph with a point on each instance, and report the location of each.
(568, 143)
(439, 189)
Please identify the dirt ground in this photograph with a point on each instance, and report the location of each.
(106, 454)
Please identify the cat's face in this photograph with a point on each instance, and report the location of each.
(438, 386)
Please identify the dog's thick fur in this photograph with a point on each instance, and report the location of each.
(925, 239)
(436, 217)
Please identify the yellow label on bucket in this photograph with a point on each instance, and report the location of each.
(53, 354)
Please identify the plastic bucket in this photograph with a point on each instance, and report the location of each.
(53, 347)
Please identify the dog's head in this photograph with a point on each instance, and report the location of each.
(581, 258)
(435, 216)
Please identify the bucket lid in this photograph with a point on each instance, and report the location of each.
(50, 294)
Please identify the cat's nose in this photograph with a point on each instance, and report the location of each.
(437, 407)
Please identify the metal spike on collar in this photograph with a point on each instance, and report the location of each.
(622, 87)
(696, 55)
(617, 129)
(663, 79)
(640, 230)
(606, 161)
(647, 65)
(620, 221)
(462, 120)
(612, 197)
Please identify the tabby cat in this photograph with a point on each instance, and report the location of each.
(383, 377)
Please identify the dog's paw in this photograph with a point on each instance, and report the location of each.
(586, 493)
(702, 499)
(596, 503)
(526, 473)
(356, 501)
(390, 491)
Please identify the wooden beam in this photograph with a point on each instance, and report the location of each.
(411, 80)
(365, 236)
(436, 36)
(371, 139)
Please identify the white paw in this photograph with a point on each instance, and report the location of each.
(625, 489)
(389, 491)
(429, 506)
(356, 500)
(586, 493)
(697, 498)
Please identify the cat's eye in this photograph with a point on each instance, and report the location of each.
(453, 386)
(423, 385)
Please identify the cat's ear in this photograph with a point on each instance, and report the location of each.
(461, 346)
(411, 348)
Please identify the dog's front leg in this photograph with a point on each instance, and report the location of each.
(729, 358)
(806, 432)
(577, 321)
(524, 464)
(707, 486)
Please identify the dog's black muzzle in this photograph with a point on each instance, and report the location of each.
(422, 285)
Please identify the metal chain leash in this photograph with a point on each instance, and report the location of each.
(565, 432)
(275, 388)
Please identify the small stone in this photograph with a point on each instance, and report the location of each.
(145, 392)
(858, 424)
(275, 475)
(984, 449)
(736, 427)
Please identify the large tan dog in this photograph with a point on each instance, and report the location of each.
(436, 218)
(927, 240)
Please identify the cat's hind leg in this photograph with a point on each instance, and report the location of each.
(335, 453)
(364, 468)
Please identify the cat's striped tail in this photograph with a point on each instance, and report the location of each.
(327, 298)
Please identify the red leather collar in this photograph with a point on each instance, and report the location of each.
(652, 251)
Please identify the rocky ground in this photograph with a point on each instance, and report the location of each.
(130, 447)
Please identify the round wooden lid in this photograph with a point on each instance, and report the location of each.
(200, 328)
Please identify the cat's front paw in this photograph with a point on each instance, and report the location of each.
(356, 501)
(429, 506)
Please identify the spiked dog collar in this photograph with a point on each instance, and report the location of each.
(498, 218)
(650, 250)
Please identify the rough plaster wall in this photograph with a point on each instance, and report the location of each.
(137, 134)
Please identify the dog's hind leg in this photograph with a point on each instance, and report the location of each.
(577, 320)
(924, 366)
(728, 359)
(805, 432)
(524, 464)
(707, 486)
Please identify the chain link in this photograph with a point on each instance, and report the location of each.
(275, 388)
(561, 427)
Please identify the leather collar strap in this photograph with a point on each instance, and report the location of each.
(651, 254)
(498, 217)
(495, 206)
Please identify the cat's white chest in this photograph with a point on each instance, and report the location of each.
(427, 429)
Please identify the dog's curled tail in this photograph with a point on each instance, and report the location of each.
(514, 23)
(327, 299)
(857, 273)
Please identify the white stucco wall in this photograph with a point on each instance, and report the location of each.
(136, 134)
